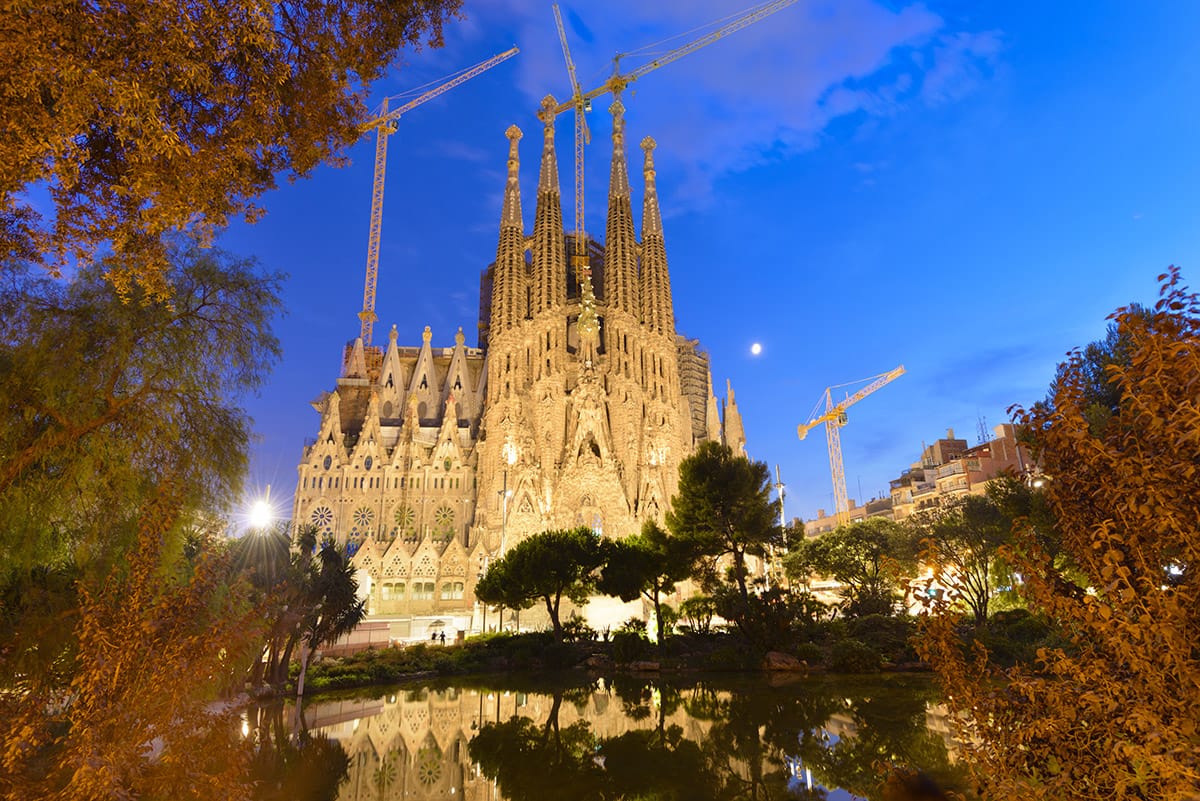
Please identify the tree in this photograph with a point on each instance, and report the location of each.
(545, 566)
(724, 508)
(1101, 396)
(646, 565)
(310, 593)
(870, 557)
(332, 607)
(142, 118)
(103, 397)
(965, 538)
(155, 641)
(1116, 713)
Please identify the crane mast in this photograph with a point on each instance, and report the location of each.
(384, 125)
(579, 259)
(581, 102)
(834, 417)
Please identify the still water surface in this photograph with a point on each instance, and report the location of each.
(531, 738)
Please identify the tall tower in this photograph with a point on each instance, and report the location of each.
(574, 409)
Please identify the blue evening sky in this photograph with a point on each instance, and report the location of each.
(966, 189)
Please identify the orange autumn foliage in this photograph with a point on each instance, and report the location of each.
(1114, 714)
(137, 720)
(140, 118)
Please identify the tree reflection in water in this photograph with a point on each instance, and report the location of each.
(719, 741)
(573, 738)
(294, 766)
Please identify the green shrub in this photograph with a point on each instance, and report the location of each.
(732, 657)
(1014, 636)
(629, 646)
(576, 629)
(698, 612)
(886, 633)
(810, 653)
(853, 656)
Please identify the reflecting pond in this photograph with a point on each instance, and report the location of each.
(531, 738)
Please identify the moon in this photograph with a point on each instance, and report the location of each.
(756, 349)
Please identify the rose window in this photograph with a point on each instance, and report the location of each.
(322, 517)
(444, 518)
(429, 766)
(404, 518)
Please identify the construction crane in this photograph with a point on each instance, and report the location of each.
(384, 125)
(581, 101)
(834, 417)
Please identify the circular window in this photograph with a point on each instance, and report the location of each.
(404, 517)
(446, 465)
(444, 518)
(321, 517)
(367, 463)
(363, 516)
(429, 766)
(328, 462)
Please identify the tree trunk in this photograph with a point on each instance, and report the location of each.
(655, 599)
(279, 671)
(305, 653)
(739, 572)
(552, 608)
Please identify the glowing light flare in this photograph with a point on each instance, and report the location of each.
(756, 349)
(261, 514)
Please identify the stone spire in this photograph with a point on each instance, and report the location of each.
(735, 434)
(549, 247)
(620, 250)
(658, 313)
(508, 285)
(712, 417)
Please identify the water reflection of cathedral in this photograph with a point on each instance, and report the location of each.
(415, 744)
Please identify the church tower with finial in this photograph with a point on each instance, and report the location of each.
(576, 407)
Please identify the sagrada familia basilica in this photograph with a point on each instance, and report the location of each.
(576, 407)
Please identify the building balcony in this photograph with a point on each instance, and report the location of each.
(951, 469)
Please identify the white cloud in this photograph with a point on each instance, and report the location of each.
(762, 93)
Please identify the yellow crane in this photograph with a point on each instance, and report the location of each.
(581, 101)
(384, 125)
(834, 417)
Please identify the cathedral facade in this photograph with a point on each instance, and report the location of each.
(576, 407)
